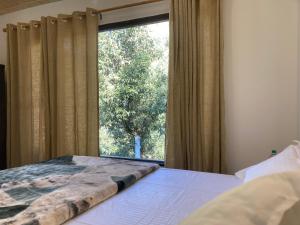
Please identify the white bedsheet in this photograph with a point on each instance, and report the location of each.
(164, 197)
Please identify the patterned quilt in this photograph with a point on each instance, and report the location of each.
(57, 190)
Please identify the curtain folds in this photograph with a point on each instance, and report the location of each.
(195, 124)
(52, 88)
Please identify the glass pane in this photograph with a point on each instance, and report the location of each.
(133, 70)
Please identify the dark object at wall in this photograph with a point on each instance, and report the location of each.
(2, 120)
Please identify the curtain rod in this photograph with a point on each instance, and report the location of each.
(119, 7)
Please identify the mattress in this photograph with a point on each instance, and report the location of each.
(164, 197)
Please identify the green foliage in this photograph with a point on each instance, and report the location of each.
(132, 89)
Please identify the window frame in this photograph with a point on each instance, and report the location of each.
(126, 24)
(134, 22)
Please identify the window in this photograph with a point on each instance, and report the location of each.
(133, 77)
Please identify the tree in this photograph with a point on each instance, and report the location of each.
(132, 90)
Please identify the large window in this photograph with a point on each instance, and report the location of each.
(133, 74)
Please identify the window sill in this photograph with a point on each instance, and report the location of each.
(159, 162)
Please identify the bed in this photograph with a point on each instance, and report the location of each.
(164, 197)
(81, 190)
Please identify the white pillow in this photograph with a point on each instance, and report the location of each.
(287, 160)
(297, 147)
(269, 200)
(242, 173)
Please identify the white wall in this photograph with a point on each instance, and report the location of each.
(261, 78)
(261, 69)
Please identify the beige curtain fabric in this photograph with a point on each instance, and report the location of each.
(52, 88)
(195, 99)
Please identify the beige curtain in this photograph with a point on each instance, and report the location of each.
(52, 88)
(195, 99)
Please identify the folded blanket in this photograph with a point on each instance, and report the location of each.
(57, 190)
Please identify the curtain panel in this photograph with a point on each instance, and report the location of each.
(52, 88)
(195, 124)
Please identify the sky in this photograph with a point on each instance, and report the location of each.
(159, 30)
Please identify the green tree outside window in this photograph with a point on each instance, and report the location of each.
(133, 73)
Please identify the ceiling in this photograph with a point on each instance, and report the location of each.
(8, 6)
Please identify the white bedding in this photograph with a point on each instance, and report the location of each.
(164, 197)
